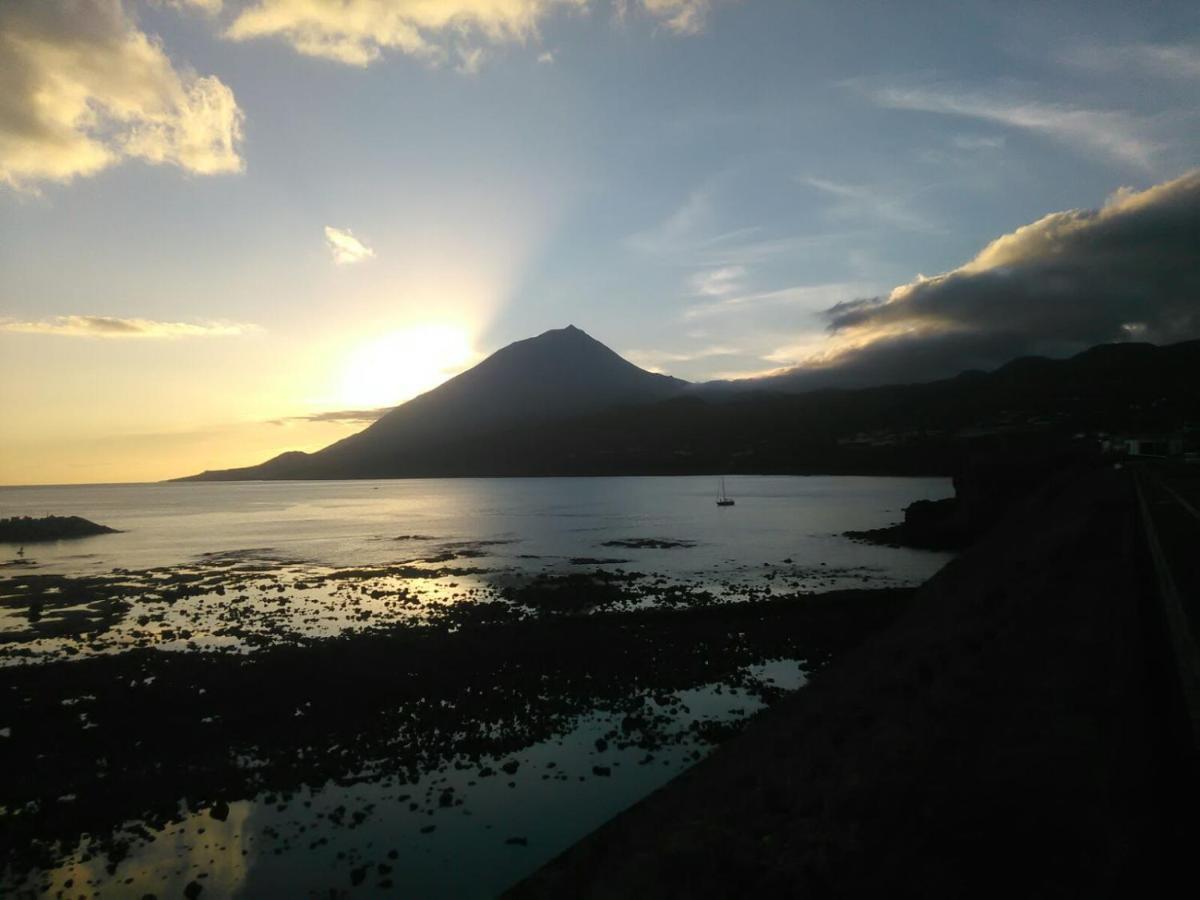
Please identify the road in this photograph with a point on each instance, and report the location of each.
(1169, 500)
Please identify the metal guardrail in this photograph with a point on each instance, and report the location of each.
(1182, 640)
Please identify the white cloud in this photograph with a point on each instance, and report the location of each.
(810, 297)
(83, 88)
(457, 32)
(1111, 133)
(345, 247)
(681, 16)
(792, 354)
(471, 60)
(652, 360)
(111, 327)
(862, 201)
(687, 228)
(718, 282)
(1165, 60)
(691, 236)
(357, 32)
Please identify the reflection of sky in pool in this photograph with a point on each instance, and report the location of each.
(367, 837)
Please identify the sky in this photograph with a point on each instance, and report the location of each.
(229, 229)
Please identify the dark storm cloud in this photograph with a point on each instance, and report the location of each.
(1071, 280)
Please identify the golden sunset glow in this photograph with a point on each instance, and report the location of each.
(403, 364)
(235, 228)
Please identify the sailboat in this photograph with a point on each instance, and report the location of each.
(723, 499)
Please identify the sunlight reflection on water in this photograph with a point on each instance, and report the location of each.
(345, 523)
(243, 566)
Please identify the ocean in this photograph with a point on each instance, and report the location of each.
(511, 718)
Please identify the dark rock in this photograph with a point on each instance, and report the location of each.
(26, 529)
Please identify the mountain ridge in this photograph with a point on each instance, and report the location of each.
(558, 373)
(637, 422)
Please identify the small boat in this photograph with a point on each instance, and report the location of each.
(723, 499)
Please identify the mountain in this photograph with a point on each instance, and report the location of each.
(561, 373)
(564, 404)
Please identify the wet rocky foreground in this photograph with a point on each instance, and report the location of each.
(333, 730)
(244, 600)
(1015, 733)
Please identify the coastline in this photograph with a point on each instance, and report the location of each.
(144, 743)
(999, 739)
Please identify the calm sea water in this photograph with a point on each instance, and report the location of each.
(784, 531)
(354, 523)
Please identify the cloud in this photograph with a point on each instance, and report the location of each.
(697, 234)
(691, 232)
(345, 247)
(791, 354)
(681, 16)
(339, 416)
(718, 282)
(803, 297)
(1181, 61)
(1110, 133)
(1071, 280)
(862, 202)
(457, 32)
(471, 60)
(83, 88)
(685, 229)
(653, 359)
(110, 327)
(357, 32)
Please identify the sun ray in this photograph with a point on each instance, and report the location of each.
(404, 363)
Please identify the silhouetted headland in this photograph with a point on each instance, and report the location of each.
(987, 487)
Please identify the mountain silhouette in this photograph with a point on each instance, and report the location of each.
(564, 404)
(560, 373)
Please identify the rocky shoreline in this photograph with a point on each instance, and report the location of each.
(987, 486)
(136, 738)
